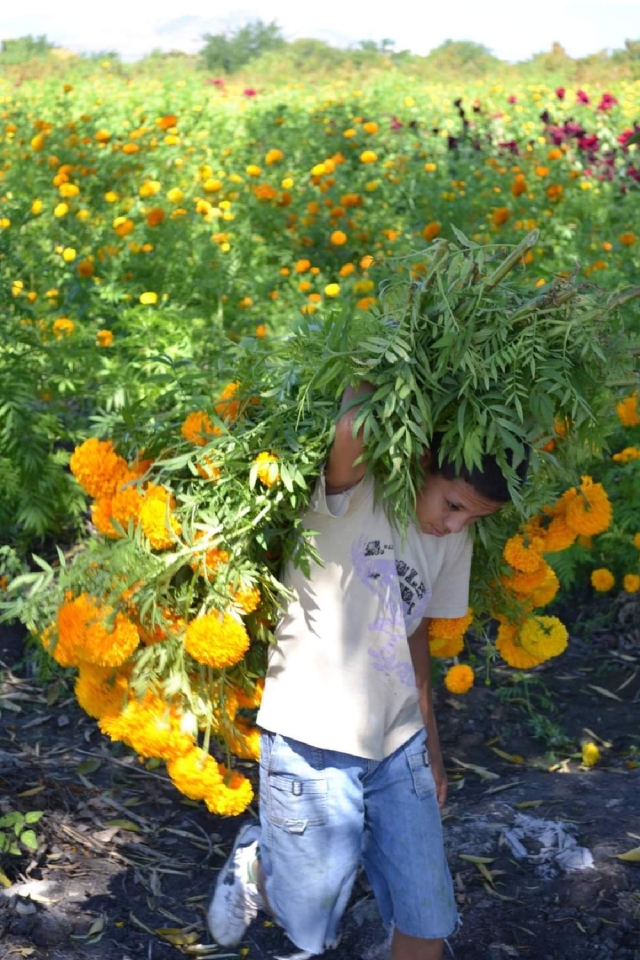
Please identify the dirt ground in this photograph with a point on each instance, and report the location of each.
(125, 865)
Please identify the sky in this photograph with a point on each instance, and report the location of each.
(510, 30)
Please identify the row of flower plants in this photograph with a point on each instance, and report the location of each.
(143, 224)
(168, 612)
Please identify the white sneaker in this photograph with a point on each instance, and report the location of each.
(236, 899)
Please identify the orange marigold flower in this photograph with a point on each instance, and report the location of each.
(197, 428)
(248, 599)
(155, 216)
(589, 512)
(226, 406)
(627, 411)
(631, 582)
(100, 691)
(244, 740)
(627, 239)
(150, 726)
(104, 338)
(522, 557)
(558, 535)
(546, 592)
(602, 580)
(338, 238)
(554, 191)
(459, 678)
(62, 327)
(500, 215)
(97, 467)
(216, 639)
(629, 453)
(431, 230)
(251, 700)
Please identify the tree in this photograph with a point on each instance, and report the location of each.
(23, 49)
(230, 52)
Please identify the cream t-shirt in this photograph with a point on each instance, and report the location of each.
(340, 676)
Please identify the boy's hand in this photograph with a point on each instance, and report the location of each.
(440, 777)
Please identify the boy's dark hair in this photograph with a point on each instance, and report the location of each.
(487, 480)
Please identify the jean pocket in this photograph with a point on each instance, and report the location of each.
(295, 804)
(417, 755)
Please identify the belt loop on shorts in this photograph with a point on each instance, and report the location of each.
(296, 788)
(425, 757)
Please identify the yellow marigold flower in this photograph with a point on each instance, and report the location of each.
(370, 126)
(127, 501)
(509, 648)
(151, 726)
(195, 773)
(590, 511)
(248, 599)
(61, 210)
(338, 238)
(253, 170)
(149, 188)
(102, 136)
(97, 467)
(332, 290)
(158, 523)
(100, 691)
(459, 678)
(252, 699)
(590, 754)
(69, 254)
(232, 797)
(543, 637)
(175, 195)
(111, 196)
(368, 156)
(431, 230)
(430, 167)
(37, 207)
(62, 327)
(245, 303)
(602, 580)
(627, 239)
(216, 639)
(68, 190)
(627, 411)
(526, 559)
(636, 540)
(149, 298)
(267, 468)
(38, 142)
(123, 226)
(631, 582)
(273, 156)
(445, 628)
(104, 338)
(211, 556)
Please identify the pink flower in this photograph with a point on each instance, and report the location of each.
(512, 99)
(582, 97)
(215, 81)
(560, 92)
(396, 124)
(608, 101)
(249, 92)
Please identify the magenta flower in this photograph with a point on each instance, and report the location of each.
(582, 97)
(608, 101)
(560, 92)
(249, 92)
(396, 124)
(512, 99)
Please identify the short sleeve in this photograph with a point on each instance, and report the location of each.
(450, 591)
(335, 504)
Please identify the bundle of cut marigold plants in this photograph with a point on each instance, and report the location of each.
(168, 611)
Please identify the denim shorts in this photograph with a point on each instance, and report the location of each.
(324, 813)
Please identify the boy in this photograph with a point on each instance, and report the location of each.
(346, 776)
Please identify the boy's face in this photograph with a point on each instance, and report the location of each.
(446, 506)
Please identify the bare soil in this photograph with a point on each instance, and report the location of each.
(125, 865)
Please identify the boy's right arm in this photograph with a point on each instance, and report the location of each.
(341, 473)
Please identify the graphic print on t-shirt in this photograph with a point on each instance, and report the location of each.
(403, 600)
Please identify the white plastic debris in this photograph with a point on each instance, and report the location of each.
(549, 844)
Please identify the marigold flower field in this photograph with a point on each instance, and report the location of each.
(158, 243)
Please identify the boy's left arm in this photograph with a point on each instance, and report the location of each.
(421, 657)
